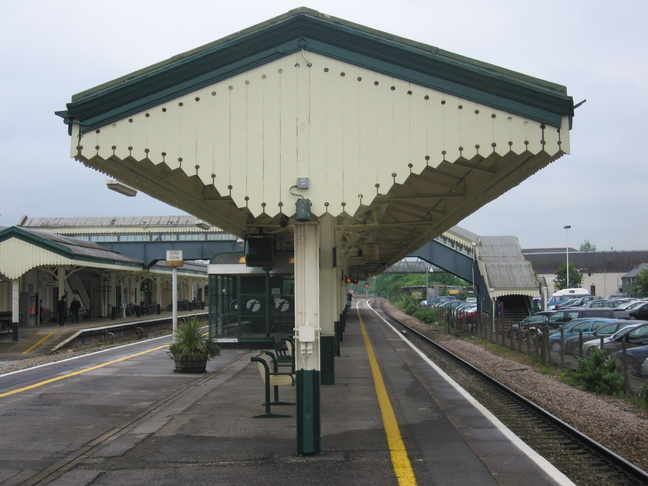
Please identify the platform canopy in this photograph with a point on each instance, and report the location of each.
(396, 140)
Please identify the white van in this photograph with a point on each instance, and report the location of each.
(566, 294)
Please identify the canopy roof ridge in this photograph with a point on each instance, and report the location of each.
(306, 29)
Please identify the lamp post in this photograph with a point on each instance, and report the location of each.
(174, 259)
(474, 249)
(566, 228)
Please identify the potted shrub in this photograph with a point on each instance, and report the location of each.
(192, 347)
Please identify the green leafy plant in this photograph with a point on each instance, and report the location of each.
(644, 395)
(429, 316)
(192, 341)
(575, 277)
(640, 287)
(600, 374)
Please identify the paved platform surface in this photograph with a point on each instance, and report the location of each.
(200, 429)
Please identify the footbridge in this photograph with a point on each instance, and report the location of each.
(504, 281)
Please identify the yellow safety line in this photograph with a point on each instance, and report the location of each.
(400, 459)
(69, 375)
(25, 352)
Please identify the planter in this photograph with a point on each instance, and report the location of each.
(190, 365)
(192, 347)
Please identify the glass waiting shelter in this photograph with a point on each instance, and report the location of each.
(250, 304)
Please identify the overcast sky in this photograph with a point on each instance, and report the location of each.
(597, 49)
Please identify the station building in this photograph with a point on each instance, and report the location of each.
(604, 273)
(43, 259)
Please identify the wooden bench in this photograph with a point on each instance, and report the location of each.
(268, 369)
(284, 351)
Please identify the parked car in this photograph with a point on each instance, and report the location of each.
(631, 305)
(566, 294)
(595, 304)
(565, 315)
(573, 328)
(440, 299)
(633, 335)
(451, 304)
(610, 326)
(469, 309)
(530, 323)
(639, 312)
(570, 303)
(636, 359)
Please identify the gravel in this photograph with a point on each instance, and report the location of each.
(10, 366)
(611, 422)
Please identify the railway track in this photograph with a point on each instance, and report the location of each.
(579, 457)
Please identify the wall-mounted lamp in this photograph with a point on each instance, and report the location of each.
(117, 186)
(303, 210)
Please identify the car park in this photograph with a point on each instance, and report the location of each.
(609, 327)
(572, 328)
(633, 336)
(636, 359)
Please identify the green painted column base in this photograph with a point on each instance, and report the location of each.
(327, 359)
(309, 435)
(336, 326)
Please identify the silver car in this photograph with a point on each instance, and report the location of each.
(634, 335)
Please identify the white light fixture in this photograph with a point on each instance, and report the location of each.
(202, 225)
(117, 186)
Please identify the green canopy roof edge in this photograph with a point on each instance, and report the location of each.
(42, 242)
(307, 29)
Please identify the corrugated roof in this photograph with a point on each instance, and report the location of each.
(182, 220)
(70, 247)
(636, 271)
(505, 266)
(590, 262)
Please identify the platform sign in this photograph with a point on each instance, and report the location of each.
(174, 258)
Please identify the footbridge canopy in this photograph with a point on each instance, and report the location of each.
(493, 264)
(395, 140)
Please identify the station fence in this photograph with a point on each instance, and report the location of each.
(506, 332)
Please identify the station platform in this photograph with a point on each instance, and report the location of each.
(205, 433)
